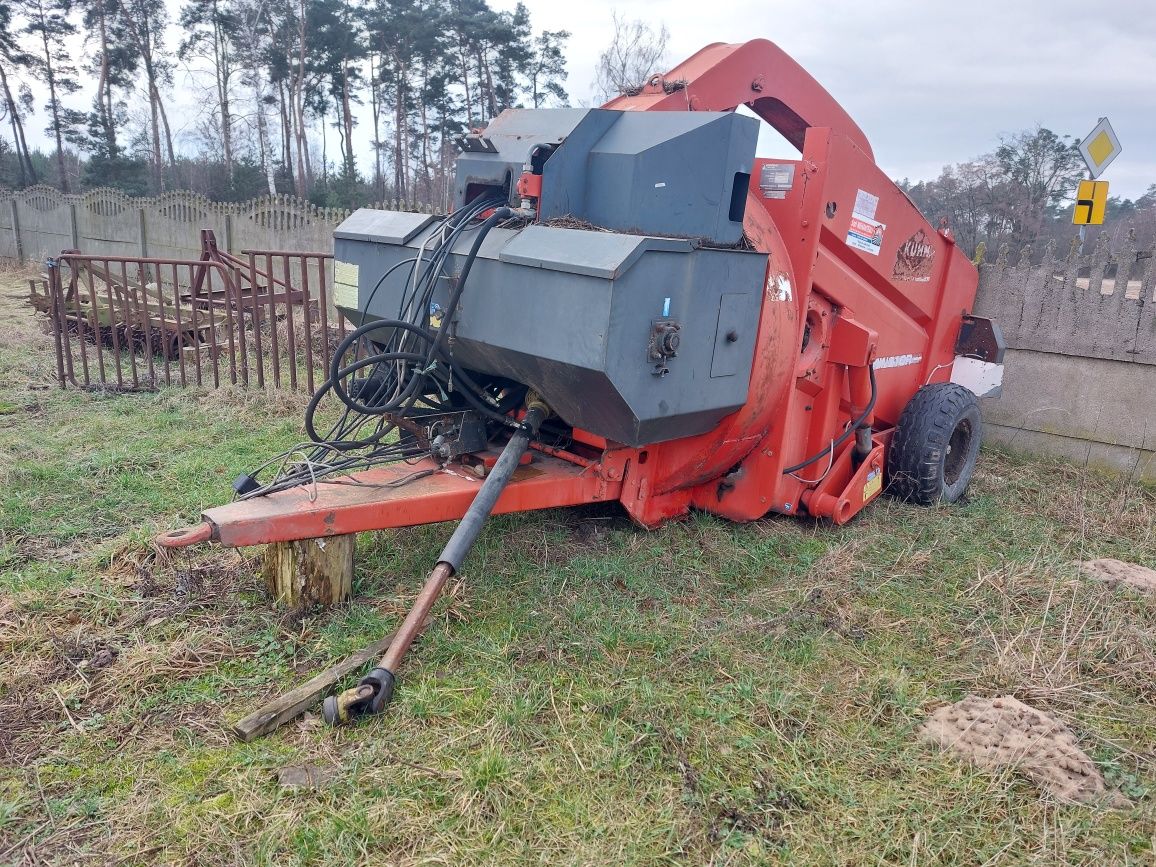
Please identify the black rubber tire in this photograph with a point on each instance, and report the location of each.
(936, 443)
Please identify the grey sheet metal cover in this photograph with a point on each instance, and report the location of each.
(667, 173)
(512, 135)
(387, 227)
(593, 254)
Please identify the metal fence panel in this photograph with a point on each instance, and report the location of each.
(139, 323)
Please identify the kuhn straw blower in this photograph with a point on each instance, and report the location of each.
(625, 304)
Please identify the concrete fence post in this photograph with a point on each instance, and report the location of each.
(19, 242)
(144, 237)
(75, 223)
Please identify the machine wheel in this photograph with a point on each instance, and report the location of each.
(935, 446)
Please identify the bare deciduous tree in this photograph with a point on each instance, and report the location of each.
(635, 52)
(1021, 193)
(212, 31)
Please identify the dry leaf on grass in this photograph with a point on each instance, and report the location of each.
(1117, 572)
(308, 722)
(1004, 732)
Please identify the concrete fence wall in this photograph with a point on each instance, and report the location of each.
(1080, 376)
(1080, 373)
(39, 222)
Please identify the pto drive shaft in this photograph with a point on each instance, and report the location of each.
(375, 690)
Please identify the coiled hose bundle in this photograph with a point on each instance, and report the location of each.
(400, 368)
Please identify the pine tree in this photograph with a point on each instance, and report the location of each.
(139, 28)
(269, 34)
(407, 35)
(336, 49)
(509, 52)
(547, 69)
(12, 59)
(48, 23)
(114, 68)
(98, 133)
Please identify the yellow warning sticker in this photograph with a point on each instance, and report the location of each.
(874, 485)
(345, 276)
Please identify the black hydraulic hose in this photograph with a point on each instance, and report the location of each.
(382, 278)
(315, 401)
(337, 373)
(466, 533)
(471, 396)
(411, 347)
(311, 411)
(500, 214)
(843, 437)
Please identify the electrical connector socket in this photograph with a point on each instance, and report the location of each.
(245, 484)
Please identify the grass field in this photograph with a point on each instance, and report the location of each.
(588, 694)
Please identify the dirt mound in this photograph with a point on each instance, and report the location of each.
(1117, 572)
(1005, 732)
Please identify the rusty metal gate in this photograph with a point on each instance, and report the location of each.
(261, 319)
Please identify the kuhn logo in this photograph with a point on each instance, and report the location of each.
(914, 259)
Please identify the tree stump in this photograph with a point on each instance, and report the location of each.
(310, 572)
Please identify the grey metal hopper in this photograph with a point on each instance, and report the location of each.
(575, 314)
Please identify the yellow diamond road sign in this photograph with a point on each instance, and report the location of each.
(1100, 148)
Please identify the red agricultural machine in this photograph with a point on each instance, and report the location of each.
(625, 304)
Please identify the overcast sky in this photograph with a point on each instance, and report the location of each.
(930, 83)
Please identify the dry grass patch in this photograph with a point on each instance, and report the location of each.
(590, 693)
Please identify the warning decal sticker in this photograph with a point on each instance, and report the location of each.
(776, 180)
(345, 276)
(914, 260)
(865, 204)
(865, 232)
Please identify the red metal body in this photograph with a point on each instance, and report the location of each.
(831, 309)
(379, 499)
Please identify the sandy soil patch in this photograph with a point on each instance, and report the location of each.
(1004, 732)
(1117, 572)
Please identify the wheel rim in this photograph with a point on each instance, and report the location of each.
(958, 448)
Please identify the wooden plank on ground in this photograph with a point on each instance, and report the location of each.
(283, 708)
